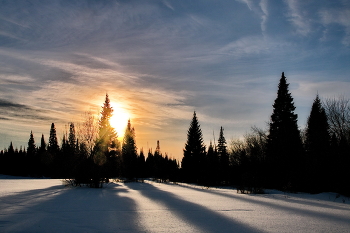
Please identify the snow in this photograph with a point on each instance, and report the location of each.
(46, 205)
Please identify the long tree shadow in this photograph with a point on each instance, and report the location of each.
(201, 217)
(58, 209)
(312, 203)
(272, 204)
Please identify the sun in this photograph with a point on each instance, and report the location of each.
(119, 119)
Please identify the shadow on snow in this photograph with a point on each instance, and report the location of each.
(279, 204)
(59, 209)
(201, 217)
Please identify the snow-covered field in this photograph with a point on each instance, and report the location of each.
(44, 205)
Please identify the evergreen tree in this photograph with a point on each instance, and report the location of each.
(141, 165)
(284, 146)
(42, 147)
(64, 144)
(11, 161)
(157, 151)
(223, 156)
(129, 152)
(71, 152)
(63, 160)
(45, 159)
(53, 150)
(72, 141)
(107, 134)
(213, 174)
(222, 147)
(159, 164)
(32, 161)
(53, 147)
(150, 164)
(103, 157)
(317, 145)
(11, 150)
(194, 153)
(31, 145)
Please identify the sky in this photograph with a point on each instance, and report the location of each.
(159, 61)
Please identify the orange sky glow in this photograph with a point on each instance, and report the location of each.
(149, 126)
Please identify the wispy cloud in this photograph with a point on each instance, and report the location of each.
(167, 4)
(264, 17)
(260, 9)
(246, 46)
(22, 113)
(248, 2)
(338, 17)
(298, 17)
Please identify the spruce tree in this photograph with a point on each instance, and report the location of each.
(194, 153)
(212, 171)
(45, 159)
(129, 152)
(223, 156)
(53, 147)
(141, 164)
(11, 150)
(317, 145)
(12, 161)
(107, 133)
(32, 161)
(106, 141)
(42, 147)
(72, 141)
(158, 162)
(284, 146)
(31, 149)
(53, 150)
(103, 156)
(150, 164)
(71, 152)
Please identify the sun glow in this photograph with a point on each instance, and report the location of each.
(119, 119)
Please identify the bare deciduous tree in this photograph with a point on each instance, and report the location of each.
(88, 131)
(338, 114)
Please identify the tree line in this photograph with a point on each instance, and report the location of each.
(283, 157)
(88, 154)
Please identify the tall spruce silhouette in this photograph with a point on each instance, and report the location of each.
(71, 153)
(45, 158)
(129, 153)
(53, 147)
(32, 160)
(317, 145)
(31, 149)
(11, 150)
(42, 147)
(101, 157)
(284, 146)
(107, 134)
(223, 156)
(72, 140)
(194, 153)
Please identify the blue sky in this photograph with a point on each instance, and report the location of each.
(161, 60)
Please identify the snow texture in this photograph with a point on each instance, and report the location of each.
(46, 205)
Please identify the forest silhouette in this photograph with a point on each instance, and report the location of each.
(315, 159)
